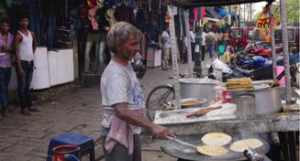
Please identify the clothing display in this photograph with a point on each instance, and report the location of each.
(140, 19)
(124, 13)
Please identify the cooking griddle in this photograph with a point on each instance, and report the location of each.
(185, 152)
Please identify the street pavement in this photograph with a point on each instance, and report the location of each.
(26, 138)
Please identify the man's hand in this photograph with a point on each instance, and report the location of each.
(161, 132)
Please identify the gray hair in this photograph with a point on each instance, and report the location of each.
(120, 33)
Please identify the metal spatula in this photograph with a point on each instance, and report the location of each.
(182, 142)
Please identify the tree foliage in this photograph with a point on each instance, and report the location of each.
(293, 11)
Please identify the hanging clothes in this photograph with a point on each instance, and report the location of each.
(91, 3)
(140, 20)
(124, 13)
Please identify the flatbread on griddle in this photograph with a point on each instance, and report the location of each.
(216, 138)
(242, 145)
(211, 150)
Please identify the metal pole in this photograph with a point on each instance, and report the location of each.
(188, 37)
(197, 65)
(283, 17)
(66, 9)
(273, 43)
(244, 15)
(174, 50)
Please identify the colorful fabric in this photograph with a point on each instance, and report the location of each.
(221, 49)
(5, 58)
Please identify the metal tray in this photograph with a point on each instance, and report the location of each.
(179, 117)
(184, 152)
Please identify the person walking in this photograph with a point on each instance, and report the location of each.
(25, 44)
(6, 49)
(123, 98)
(166, 48)
(203, 43)
(221, 47)
(210, 42)
(193, 42)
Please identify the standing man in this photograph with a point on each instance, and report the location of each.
(203, 44)
(193, 42)
(166, 48)
(25, 44)
(6, 48)
(123, 99)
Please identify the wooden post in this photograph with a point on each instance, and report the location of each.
(283, 17)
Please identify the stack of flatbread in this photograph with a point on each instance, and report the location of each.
(192, 102)
(240, 84)
(215, 142)
(242, 145)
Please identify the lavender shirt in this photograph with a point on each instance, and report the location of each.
(5, 60)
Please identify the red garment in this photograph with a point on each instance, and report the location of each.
(91, 3)
(203, 12)
(92, 18)
(195, 11)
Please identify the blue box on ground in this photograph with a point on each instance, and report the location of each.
(86, 144)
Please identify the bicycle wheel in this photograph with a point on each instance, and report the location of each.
(158, 98)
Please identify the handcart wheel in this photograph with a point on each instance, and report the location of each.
(158, 98)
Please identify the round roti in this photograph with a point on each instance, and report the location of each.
(242, 145)
(211, 150)
(216, 138)
(192, 102)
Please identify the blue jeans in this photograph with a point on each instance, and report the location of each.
(210, 49)
(5, 74)
(24, 85)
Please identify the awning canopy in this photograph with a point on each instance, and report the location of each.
(201, 3)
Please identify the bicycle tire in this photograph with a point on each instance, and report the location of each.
(149, 107)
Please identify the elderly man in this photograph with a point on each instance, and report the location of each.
(123, 99)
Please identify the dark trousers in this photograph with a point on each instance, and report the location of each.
(193, 51)
(120, 153)
(210, 49)
(24, 85)
(5, 74)
(202, 52)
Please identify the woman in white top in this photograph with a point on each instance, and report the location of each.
(25, 47)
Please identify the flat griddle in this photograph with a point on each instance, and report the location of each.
(184, 152)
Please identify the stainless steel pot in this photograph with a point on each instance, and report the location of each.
(198, 88)
(267, 99)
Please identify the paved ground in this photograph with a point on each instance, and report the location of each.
(25, 138)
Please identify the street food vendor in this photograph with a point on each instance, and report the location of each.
(123, 99)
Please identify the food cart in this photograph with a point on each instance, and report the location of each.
(190, 130)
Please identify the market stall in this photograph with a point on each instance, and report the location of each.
(245, 119)
(227, 117)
